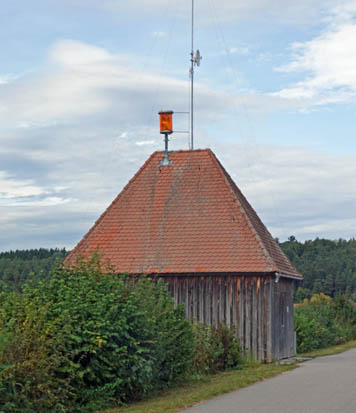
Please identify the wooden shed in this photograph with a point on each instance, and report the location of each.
(188, 223)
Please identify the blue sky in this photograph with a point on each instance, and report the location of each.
(81, 82)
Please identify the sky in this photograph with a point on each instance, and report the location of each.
(82, 82)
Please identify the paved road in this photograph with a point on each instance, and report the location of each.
(322, 385)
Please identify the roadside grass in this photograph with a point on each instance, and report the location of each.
(207, 387)
(329, 351)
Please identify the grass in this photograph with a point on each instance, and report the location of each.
(329, 351)
(195, 391)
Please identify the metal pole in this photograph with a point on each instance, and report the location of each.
(165, 161)
(192, 85)
(166, 144)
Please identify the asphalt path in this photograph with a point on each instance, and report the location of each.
(323, 385)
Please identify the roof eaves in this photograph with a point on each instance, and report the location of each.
(290, 276)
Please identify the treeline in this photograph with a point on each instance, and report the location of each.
(328, 267)
(17, 267)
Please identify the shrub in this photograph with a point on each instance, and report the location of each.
(322, 321)
(29, 359)
(89, 338)
(215, 348)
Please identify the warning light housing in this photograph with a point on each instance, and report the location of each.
(166, 121)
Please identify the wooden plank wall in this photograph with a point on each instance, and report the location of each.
(283, 320)
(243, 303)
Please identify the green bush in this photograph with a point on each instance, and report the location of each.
(89, 338)
(29, 359)
(86, 338)
(322, 321)
(215, 349)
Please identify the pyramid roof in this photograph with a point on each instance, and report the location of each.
(189, 217)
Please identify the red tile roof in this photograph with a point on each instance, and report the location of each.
(188, 217)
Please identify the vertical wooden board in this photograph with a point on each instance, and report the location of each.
(168, 283)
(205, 293)
(217, 293)
(222, 300)
(191, 297)
(174, 280)
(216, 301)
(268, 306)
(182, 292)
(254, 345)
(179, 290)
(234, 304)
(283, 330)
(264, 321)
(171, 284)
(213, 301)
(247, 316)
(260, 322)
(292, 351)
(186, 297)
(275, 321)
(241, 313)
(228, 301)
(207, 301)
(195, 298)
(191, 292)
(201, 300)
(289, 319)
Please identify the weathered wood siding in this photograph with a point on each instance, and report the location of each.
(282, 320)
(244, 303)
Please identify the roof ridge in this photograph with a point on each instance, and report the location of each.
(238, 194)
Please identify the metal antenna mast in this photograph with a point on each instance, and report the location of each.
(195, 59)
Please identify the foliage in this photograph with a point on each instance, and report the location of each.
(89, 337)
(215, 348)
(327, 266)
(322, 322)
(17, 267)
(29, 358)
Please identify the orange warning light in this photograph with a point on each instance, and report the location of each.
(166, 121)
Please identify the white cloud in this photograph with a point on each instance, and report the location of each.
(11, 188)
(82, 81)
(328, 61)
(140, 143)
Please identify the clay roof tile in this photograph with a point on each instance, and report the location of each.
(188, 217)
